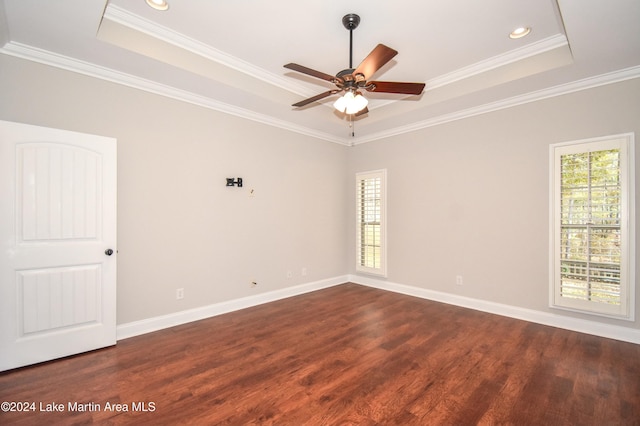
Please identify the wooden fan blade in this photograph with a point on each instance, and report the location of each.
(379, 56)
(395, 87)
(309, 71)
(315, 98)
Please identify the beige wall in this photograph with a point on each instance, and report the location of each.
(466, 198)
(471, 197)
(178, 225)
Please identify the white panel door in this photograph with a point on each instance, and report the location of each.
(57, 242)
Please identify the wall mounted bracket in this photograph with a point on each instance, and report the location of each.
(233, 182)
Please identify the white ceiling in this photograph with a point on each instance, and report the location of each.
(229, 55)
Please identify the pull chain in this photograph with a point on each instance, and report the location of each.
(352, 126)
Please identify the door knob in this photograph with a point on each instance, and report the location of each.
(108, 252)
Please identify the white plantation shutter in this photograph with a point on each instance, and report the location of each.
(370, 226)
(592, 223)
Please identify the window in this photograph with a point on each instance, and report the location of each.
(592, 225)
(370, 213)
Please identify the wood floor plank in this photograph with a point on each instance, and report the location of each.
(344, 355)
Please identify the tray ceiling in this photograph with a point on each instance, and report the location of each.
(229, 56)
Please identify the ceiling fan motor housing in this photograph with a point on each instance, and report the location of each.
(346, 75)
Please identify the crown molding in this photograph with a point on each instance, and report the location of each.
(137, 23)
(74, 65)
(559, 90)
(151, 28)
(92, 70)
(512, 56)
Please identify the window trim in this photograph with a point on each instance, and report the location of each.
(382, 174)
(625, 142)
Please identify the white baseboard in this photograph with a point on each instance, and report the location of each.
(149, 325)
(610, 331)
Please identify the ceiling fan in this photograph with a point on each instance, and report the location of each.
(353, 80)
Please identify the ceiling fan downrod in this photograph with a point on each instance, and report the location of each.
(350, 22)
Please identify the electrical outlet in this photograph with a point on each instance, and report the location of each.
(304, 272)
(458, 279)
(289, 274)
(179, 293)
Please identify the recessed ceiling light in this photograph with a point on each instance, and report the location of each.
(520, 32)
(158, 4)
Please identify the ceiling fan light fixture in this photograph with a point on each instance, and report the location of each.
(351, 103)
(340, 104)
(158, 4)
(520, 32)
(358, 104)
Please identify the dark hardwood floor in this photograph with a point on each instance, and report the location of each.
(344, 355)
